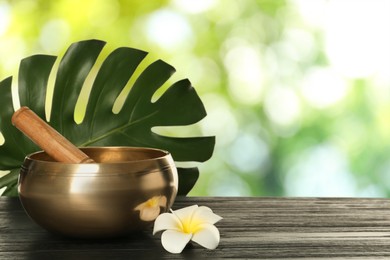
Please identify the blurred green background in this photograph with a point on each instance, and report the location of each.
(297, 92)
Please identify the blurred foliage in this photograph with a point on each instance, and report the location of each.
(297, 92)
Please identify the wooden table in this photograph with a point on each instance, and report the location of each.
(252, 228)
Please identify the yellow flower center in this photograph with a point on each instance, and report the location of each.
(191, 226)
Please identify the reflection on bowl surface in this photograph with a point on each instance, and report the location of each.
(123, 191)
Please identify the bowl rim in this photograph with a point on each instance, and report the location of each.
(164, 155)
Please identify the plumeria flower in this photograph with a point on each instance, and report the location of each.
(190, 223)
(150, 209)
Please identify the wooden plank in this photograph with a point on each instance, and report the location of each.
(252, 228)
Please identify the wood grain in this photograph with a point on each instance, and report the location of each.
(252, 228)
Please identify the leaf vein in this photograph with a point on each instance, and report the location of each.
(119, 129)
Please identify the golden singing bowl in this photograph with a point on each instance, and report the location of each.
(124, 191)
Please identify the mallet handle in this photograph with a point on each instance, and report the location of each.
(47, 138)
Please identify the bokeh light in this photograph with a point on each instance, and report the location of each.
(169, 29)
(5, 18)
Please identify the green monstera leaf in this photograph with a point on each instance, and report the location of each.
(130, 126)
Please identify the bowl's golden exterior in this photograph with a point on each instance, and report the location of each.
(124, 191)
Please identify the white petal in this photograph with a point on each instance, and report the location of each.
(185, 213)
(207, 236)
(205, 215)
(174, 241)
(166, 221)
